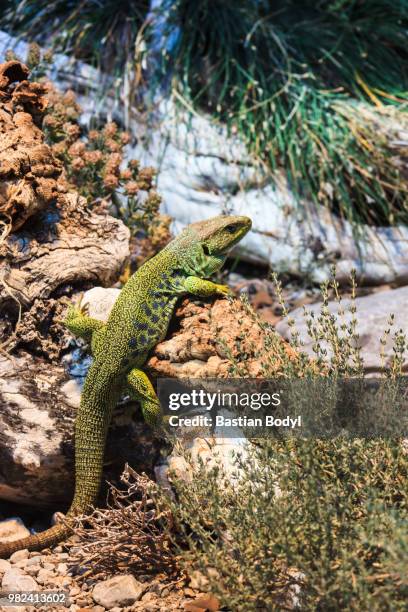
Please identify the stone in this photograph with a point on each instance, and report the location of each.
(75, 590)
(16, 580)
(36, 560)
(12, 529)
(19, 555)
(37, 437)
(62, 568)
(45, 575)
(119, 591)
(4, 565)
(373, 312)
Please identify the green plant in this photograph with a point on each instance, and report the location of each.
(322, 523)
(101, 32)
(94, 160)
(308, 87)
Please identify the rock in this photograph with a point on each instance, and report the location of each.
(118, 591)
(36, 438)
(373, 312)
(45, 575)
(12, 528)
(62, 568)
(20, 555)
(34, 560)
(206, 335)
(65, 241)
(15, 580)
(32, 570)
(4, 566)
(210, 451)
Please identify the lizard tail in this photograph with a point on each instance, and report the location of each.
(99, 397)
(38, 541)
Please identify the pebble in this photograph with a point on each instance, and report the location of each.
(119, 591)
(15, 580)
(62, 568)
(4, 565)
(44, 575)
(75, 590)
(49, 566)
(19, 555)
(35, 560)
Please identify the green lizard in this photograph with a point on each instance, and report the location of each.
(138, 321)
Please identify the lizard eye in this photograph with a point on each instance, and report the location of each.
(205, 249)
(231, 229)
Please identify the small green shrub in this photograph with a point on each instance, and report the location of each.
(319, 522)
(326, 517)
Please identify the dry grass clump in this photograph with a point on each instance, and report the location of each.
(130, 534)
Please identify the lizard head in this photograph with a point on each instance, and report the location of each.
(208, 242)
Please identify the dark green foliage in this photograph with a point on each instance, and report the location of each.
(102, 31)
(318, 89)
(288, 77)
(327, 516)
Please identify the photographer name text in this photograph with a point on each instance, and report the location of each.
(237, 421)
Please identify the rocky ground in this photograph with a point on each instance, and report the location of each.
(51, 571)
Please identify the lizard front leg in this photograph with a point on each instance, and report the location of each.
(141, 389)
(80, 324)
(204, 288)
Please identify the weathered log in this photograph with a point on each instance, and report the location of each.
(67, 244)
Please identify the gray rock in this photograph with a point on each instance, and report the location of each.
(372, 315)
(118, 591)
(12, 529)
(16, 580)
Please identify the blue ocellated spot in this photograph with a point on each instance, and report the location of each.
(147, 310)
(140, 326)
(132, 342)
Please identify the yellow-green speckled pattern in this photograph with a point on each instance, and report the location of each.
(138, 321)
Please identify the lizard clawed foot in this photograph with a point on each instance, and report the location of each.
(224, 290)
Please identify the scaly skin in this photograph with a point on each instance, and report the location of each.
(138, 321)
